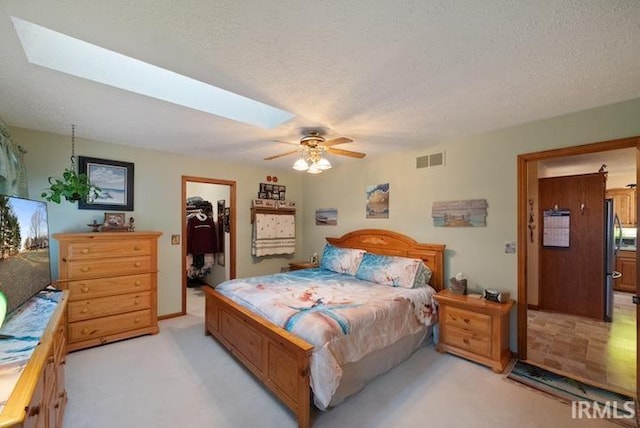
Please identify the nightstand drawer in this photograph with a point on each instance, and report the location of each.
(468, 341)
(467, 320)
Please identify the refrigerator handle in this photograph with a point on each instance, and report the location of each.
(617, 226)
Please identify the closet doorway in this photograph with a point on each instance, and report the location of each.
(215, 199)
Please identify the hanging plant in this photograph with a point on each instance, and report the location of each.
(72, 186)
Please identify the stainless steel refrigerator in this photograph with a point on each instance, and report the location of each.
(613, 234)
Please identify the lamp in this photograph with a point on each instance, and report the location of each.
(301, 165)
(312, 161)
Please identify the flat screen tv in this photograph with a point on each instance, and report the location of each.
(24, 249)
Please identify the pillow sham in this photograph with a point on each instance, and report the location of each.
(393, 271)
(341, 260)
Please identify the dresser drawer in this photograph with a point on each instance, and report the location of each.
(101, 287)
(469, 341)
(467, 320)
(104, 306)
(104, 267)
(89, 249)
(114, 324)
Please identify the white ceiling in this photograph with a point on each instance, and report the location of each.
(390, 75)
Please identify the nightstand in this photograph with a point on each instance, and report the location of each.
(302, 265)
(475, 328)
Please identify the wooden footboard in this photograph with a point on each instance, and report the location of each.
(277, 358)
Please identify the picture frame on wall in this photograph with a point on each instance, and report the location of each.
(114, 178)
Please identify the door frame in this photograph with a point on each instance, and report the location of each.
(232, 228)
(522, 199)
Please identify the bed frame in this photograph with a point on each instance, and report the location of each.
(279, 359)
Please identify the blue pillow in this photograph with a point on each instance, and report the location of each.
(393, 271)
(341, 260)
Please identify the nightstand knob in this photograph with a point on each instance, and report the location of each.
(137, 320)
(137, 283)
(84, 268)
(137, 264)
(85, 251)
(136, 248)
(84, 289)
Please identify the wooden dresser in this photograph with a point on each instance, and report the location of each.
(112, 280)
(475, 328)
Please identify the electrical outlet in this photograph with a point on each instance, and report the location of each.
(510, 247)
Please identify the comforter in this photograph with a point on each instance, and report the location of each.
(344, 318)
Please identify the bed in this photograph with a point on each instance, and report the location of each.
(270, 344)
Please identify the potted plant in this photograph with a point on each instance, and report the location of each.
(72, 186)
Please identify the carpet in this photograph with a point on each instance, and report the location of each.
(611, 405)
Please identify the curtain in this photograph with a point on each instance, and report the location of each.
(13, 174)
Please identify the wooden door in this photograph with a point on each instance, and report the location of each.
(572, 278)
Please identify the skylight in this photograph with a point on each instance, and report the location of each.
(66, 54)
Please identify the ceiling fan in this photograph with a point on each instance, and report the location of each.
(311, 148)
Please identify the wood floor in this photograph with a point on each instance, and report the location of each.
(601, 353)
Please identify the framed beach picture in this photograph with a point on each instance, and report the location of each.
(114, 178)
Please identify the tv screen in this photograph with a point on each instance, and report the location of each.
(24, 249)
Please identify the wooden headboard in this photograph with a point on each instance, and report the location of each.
(390, 243)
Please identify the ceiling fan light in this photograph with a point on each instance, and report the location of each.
(313, 169)
(324, 164)
(301, 165)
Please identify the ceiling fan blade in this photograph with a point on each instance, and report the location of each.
(345, 153)
(336, 141)
(281, 155)
(287, 142)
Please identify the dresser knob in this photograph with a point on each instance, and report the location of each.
(466, 320)
(137, 320)
(84, 310)
(84, 289)
(84, 268)
(137, 264)
(85, 330)
(136, 248)
(85, 251)
(136, 302)
(137, 283)
(465, 340)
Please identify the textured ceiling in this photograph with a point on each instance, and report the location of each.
(390, 75)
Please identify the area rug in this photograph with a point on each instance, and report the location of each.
(611, 405)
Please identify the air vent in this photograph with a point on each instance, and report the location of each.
(428, 161)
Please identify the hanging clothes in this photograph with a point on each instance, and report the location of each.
(202, 244)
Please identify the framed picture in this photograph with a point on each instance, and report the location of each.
(114, 178)
(114, 222)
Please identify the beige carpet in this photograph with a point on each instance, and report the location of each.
(181, 378)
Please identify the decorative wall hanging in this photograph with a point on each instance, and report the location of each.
(378, 201)
(114, 178)
(326, 217)
(272, 191)
(466, 213)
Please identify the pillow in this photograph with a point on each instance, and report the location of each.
(341, 260)
(394, 271)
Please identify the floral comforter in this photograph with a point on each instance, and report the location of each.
(344, 318)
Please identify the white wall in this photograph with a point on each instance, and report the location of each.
(158, 205)
(477, 167)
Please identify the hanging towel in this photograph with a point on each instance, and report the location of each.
(274, 234)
